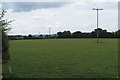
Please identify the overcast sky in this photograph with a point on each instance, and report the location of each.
(36, 17)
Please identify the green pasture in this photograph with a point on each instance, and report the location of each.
(63, 58)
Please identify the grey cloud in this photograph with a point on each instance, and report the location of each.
(28, 6)
(104, 5)
(107, 5)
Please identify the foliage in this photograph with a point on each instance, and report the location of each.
(118, 33)
(5, 43)
(102, 34)
(77, 34)
(30, 36)
(65, 34)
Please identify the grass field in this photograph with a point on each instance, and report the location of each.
(63, 58)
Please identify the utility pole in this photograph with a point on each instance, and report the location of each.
(39, 34)
(49, 31)
(97, 9)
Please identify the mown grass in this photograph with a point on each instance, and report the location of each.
(63, 58)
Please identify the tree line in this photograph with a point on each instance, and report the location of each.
(67, 34)
(78, 34)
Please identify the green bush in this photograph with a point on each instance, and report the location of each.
(5, 47)
(5, 43)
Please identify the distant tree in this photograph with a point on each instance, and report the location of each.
(59, 34)
(117, 33)
(85, 35)
(40, 35)
(77, 34)
(66, 34)
(25, 37)
(101, 33)
(93, 34)
(30, 36)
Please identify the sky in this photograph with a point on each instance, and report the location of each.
(36, 17)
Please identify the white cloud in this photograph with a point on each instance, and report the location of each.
(105, 0)
(0, 6)
(60, 0)
(73, 17)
